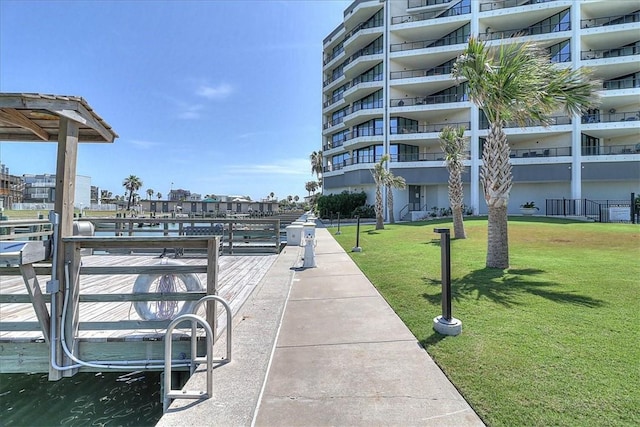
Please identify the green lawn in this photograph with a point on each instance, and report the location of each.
(553, 340)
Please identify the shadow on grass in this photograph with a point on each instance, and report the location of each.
(432, 340)
(505, 288)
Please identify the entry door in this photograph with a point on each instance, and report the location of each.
(414, 198)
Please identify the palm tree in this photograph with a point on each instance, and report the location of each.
(514, 82)
(150, 192)
(271, 195)
(159, 195)
(316, 163)
(453, 144)
(132, 184)
(391, 182)
(378, 173)
(311, 187)
(385, 178)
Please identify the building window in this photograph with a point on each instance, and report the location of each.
(399, 125)
(590, 145)
(403, 153)
(560, 52)
(374, 100)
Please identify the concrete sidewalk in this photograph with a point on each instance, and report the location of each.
(320, 346)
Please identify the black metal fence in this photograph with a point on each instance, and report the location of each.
(598, 210)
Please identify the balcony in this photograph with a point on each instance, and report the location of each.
(553, 121)
(428, 100)
(529, 153)
(331, 80)
(608, 150)
(413, 4)
(616, 84)
(522, 32)
(333, 56)
(362, 60)
(424, 44)
(431, 128)
(610, 53)
(454, 11)
(610, 20)
(630, 116)
(427, 72)
(505, 4)
(420, 157)
(364, 26)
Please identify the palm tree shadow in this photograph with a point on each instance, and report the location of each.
(506, 288)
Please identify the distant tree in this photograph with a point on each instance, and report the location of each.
(453, 144)
(289, 198)
(272, 195)
(316, 163)
(311, 187)
(150, 192)
(296, 198)
(106, 196)
(159, 195)
(132, 184)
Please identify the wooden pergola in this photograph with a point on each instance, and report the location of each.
(67, 120)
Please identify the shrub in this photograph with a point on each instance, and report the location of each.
(344, 203)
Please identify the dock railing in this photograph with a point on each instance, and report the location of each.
(238, 235)
(67, 298)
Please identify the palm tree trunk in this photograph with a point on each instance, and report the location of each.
(498, 238)
(496, 181)
(392, 220)
(458, 223)
(456, 201)
(379, 209)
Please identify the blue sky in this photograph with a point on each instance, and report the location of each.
(216, 97)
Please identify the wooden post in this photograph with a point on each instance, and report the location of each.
(64, 197)
(213, 254)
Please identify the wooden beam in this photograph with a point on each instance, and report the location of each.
(39, 306)
(14, 117)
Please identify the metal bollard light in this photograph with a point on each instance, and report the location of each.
(357, 247)
(446, 324)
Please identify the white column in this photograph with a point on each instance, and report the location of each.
(576, 143)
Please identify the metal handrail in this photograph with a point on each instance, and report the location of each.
(170, 393)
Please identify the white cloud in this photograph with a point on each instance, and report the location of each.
(190, 112)
(220, 91)
(144, 144)
(284, 167)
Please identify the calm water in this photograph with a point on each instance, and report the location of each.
(86, 399)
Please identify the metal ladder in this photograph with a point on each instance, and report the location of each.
(170, 393)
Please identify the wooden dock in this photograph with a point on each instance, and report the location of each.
(102, 323)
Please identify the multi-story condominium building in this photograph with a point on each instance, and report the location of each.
(387, 88)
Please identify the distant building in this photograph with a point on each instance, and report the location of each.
(387, 89)
(218, 206)
(41, 189)
(179, 195)
(95, 195)
(11, 188)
